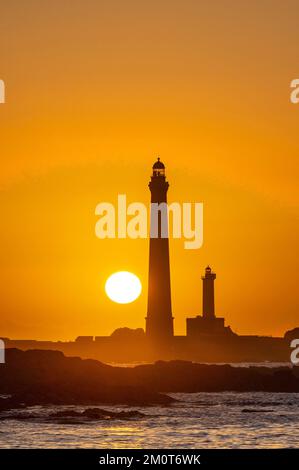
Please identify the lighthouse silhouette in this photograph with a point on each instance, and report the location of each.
(159, 320)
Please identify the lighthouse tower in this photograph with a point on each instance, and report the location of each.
(208, 303)
(159, 320)
(208, 323)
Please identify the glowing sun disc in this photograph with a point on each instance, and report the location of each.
(123, 287)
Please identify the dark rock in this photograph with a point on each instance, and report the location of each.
(250, 410)
(48, 377)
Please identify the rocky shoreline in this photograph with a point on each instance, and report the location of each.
(39, 377)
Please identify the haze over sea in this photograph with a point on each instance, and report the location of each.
(209, 420)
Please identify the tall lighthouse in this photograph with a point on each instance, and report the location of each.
(159, 320)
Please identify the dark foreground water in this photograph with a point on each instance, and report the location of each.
(199, 420)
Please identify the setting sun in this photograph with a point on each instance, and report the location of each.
(123, 287)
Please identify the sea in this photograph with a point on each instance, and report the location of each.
(195, 420)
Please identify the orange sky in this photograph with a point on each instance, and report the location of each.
(94, 91)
